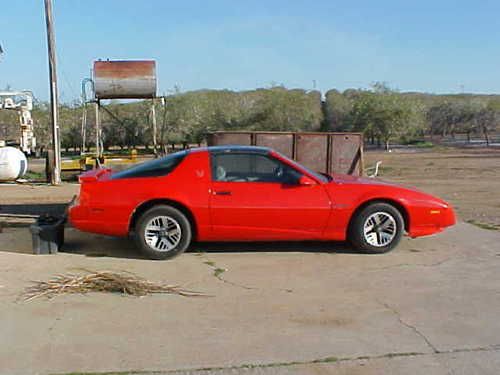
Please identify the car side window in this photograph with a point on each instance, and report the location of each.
(241, 167)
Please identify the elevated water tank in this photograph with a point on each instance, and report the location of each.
(125, 79)
(13, 164)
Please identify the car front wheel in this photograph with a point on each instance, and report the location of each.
(163, 232)
(377, 228)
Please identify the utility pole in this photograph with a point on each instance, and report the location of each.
(55, 160)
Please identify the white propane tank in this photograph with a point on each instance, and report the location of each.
(13, 164)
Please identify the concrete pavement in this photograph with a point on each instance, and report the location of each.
(431, 307)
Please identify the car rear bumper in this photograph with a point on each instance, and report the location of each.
(87, 220)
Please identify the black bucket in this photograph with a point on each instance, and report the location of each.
(48, 234)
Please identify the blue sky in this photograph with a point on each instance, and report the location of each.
(433, 46)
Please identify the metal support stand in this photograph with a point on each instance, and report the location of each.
(85, 102)
(153, 120)
(98, 150)
(84, 128)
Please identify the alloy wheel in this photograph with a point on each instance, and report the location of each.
(163, 233)
(380, 229)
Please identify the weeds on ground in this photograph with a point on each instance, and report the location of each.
(32, 175)
(484, 225)
(101, 281)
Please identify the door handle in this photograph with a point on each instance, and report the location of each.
(222, 192)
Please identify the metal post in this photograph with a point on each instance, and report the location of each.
(84, 129)
(85, 101)
(97, 130)
(55, 166)
(153, 116)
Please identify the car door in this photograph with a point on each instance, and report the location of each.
(254, 196)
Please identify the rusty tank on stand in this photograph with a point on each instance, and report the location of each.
(124, 79)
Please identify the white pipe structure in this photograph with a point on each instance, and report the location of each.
(22, 102)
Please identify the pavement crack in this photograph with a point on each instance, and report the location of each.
(488, 348)
(435, 264)
(330, 359)
(218, 272)
(408, 325)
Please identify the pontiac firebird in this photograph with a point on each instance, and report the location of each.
(245, 193)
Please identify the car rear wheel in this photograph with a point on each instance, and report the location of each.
(377, 228)
(163, 232)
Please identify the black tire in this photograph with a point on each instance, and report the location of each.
(176, 219)
(370, 213)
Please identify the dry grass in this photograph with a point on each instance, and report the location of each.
(102, 281)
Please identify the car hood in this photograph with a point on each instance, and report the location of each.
(416, 194)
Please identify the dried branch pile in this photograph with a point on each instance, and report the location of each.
(102, 281)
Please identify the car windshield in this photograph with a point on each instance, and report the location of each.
(153, 168)
(319, 176)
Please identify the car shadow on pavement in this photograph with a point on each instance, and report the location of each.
(282, 246)
(95, 245)
(125, 248)
(18, 240)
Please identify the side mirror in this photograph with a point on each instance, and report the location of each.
(306, 181)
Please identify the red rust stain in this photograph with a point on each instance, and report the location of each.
(124, 69)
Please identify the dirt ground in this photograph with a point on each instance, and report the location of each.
(467, 178)
(429, 307)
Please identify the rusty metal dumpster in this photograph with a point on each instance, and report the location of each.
(321, 151)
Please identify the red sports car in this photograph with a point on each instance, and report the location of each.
(244, 193)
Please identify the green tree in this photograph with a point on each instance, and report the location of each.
(385, 114)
